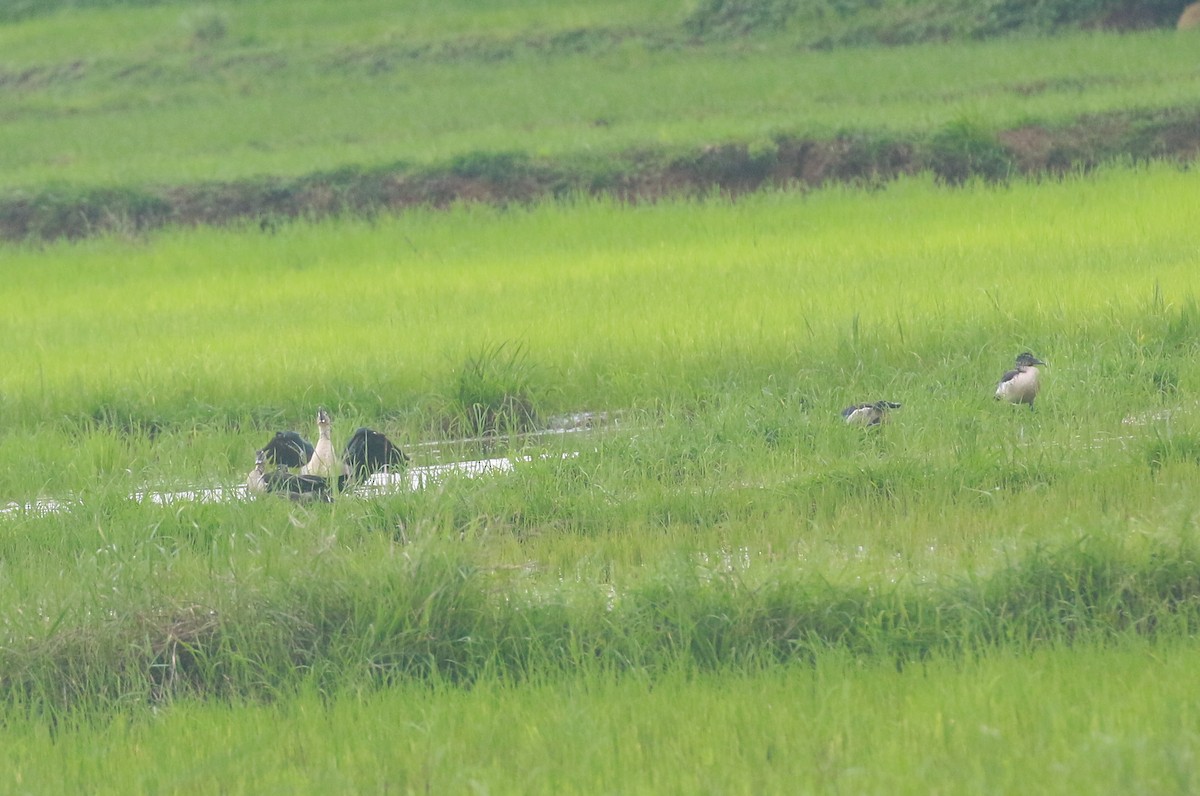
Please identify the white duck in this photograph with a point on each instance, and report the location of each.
(324, 461)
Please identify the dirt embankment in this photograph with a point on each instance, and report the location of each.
(954, 154)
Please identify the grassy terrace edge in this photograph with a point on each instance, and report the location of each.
(958, 152)
(441, 617)
(954, 154)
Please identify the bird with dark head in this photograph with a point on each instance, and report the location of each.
(1020, 385)
(306, 488)
(287, 449)
(369, 451)
(868, 414)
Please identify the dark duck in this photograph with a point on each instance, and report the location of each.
(280, 482)
(287, 449)
(368, 452)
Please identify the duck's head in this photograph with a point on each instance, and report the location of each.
(323, 418)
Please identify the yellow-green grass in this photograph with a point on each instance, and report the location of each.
(832, 295)
(975, 582)
(975, 597)
(725, 338)
(142, 107)
(1057, 721)
(729, 334)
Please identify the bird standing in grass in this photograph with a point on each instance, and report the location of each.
(1020, 385)
(869, 414)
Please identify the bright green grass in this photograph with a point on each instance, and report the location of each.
(1059, 721)
(652, 579)
(254, 104)
(831, 295)
(730, 334)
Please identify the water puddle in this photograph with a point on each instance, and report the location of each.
(412, 478)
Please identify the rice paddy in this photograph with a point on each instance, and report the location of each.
(727, 523)
(257, 103)
(637, 548)
(1104, 720)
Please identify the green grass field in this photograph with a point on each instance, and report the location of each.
(612, 306)
(720, 588)
(290, 98)
(729, 523)
(1104, 720)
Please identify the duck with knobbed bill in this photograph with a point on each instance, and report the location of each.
(868, 414)
(1020, 385)
(367, 452)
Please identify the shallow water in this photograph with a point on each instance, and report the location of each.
(412, 478)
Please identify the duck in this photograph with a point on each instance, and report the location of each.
(367, 452)
(287, 449)
(323, 461)
(868, 414)
(1020, 385)
(305, 488)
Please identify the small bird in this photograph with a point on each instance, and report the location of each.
(869, 414)
(1020, 385)
(280, 482)
(324, 461)
(368, 452)
(287, 449)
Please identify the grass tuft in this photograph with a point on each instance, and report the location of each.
(966, 149)
(494, 393)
